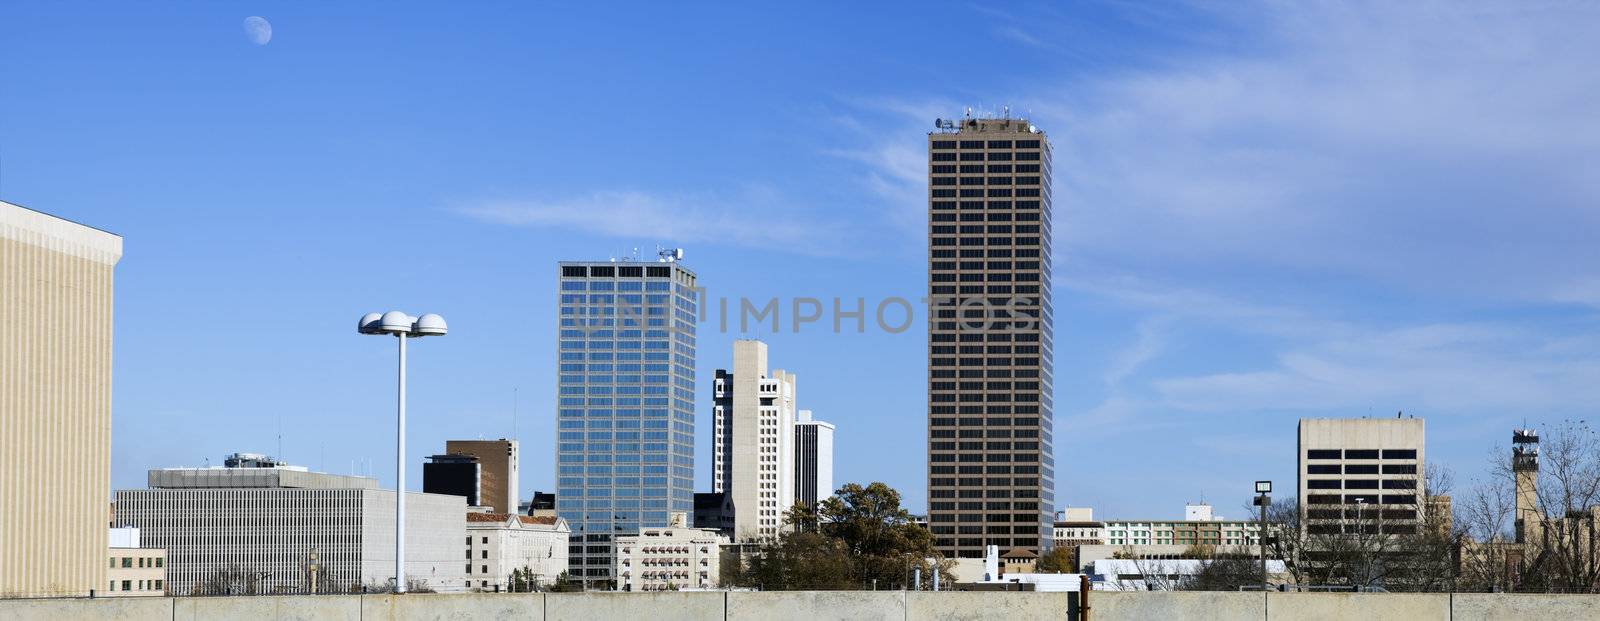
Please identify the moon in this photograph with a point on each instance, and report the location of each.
(258, 30)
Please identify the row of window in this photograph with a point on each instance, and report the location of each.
(992, 144)
(137, 585)
(1361, 453)
(1024, 180)
(979, 229)
(1354, 499)
(609, 271)
(142, 561)
(619, 285)
(979, 362)
(1361, 484)
(979, 253)
(990, 205)
(979, 156)
(981, 193)
(1360, 469)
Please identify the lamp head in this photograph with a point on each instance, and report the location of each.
(429, 325)
(1263, 487)
(369, 324)
(395, 322)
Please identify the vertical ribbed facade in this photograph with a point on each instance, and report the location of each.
(991, 468)
(753, 441)
(55, 403)
(625, 404)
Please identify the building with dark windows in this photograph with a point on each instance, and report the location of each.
(813, 459)
(1361, 475)
(625, 404)
(453, 474)
(991, 477)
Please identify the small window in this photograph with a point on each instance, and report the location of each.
(1322, 454)
(127, 585)
(485, 569)
(469, 567)
(486, 540)
(484, 554)
(127, 561)
(1322, 469)
(160, 561)
(574, 271)
(1361, 454)
(1361, 469)
(1400, 453)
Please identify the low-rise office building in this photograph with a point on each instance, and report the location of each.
(499, 544)
(134, 571)
(261, 529)
(1199, 528)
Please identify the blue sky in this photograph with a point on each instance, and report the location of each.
(1264, 212)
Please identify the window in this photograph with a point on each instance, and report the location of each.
(1322, 454)
(159, 562)
(1361, 469)
(1399, 468)
(127, 585)
(127, 561)
(1322, 484)
(1322, 469)
(1399, 453)
(485, 554)
(485, 569)
(469, 567)
(1361, 454)
(485, 540)
(469, 554)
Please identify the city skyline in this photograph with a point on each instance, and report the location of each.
(1237, 246)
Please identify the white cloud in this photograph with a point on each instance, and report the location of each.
(756, 217)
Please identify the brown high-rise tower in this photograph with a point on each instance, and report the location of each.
(991, 466)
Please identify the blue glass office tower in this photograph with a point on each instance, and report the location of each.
(625, 404)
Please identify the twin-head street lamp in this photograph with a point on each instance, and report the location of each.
(403, 327)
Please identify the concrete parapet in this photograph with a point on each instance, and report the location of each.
(662, 606)
(1165, 605)
(129, 608)
(1363, 606)
(1530, 606)
(1008, 605)
(816, 605)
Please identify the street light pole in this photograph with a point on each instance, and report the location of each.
(400, 474)
(402, 327)
(1263, 498)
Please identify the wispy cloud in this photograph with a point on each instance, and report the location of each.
(755, 217)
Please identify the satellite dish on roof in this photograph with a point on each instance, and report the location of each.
(938, 123)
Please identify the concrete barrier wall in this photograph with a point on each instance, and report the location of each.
(819, 606)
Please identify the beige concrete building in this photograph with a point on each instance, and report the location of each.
(500, 543)
(1361, 474)
(672, 558)
(497, 471)
(991, 468)
(55, 403)
(754, 441)
(134, 571)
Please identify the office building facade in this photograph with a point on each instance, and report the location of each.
(497, 471)
(625, 408)
(753, 446)
(134, 570)
(55, 403)
(663, 559)
(262, 530)
(1361, 474)
(813, 459)
(991, 469)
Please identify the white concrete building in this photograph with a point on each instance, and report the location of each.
(813, 459)
(500, 543)
(662, 559)
(263, 530)
(753, 441)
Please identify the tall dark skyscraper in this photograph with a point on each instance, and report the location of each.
(625, 408)
(991, 466)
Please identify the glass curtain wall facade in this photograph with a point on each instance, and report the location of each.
(625, 405)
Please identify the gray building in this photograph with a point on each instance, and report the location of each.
(625, 404)
(753, 441)
(991, 470)
(257, 529)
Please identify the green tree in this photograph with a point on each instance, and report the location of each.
(858, 537)
(1059, 560)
